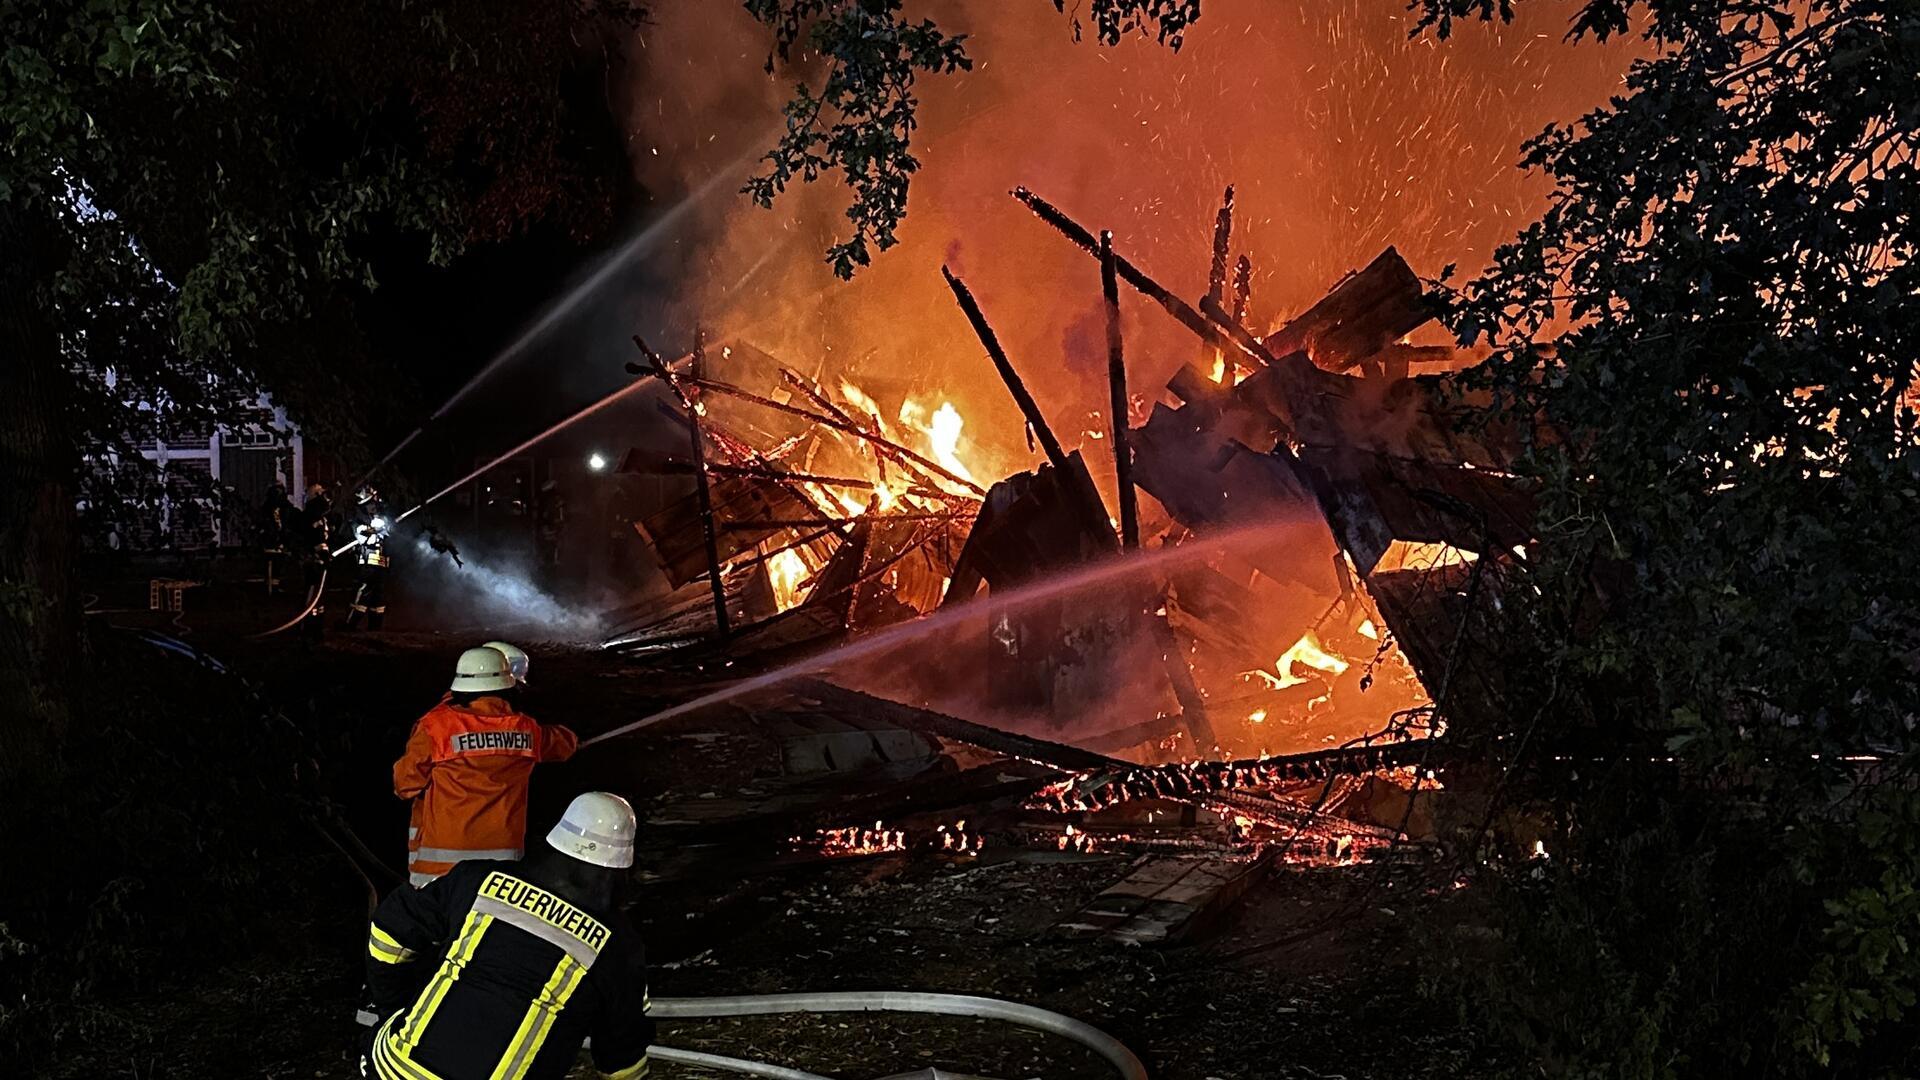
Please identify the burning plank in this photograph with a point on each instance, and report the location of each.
(1363, 314)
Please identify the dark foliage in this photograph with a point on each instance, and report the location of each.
(1725, 273)
(170, 847)
(860, 121)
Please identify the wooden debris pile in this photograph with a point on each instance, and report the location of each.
(1327, 448)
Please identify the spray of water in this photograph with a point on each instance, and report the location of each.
(565, 422)
(1111, 570)
(497, 595)
(723, 181)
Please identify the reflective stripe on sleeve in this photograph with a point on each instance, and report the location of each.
(454, 855)
(382, 947)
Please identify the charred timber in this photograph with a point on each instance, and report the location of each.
(1222, 241)
(1095, 789)
(833, 523)
(1117, 396)
(697, 449)
(1364, 313)
(1036, 420)
(762, 472)
(846, 427)
(1189, 383)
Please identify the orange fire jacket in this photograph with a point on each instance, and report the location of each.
(466, 770)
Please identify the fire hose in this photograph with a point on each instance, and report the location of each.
(1124, 1061)
(728, 1064)
(313, 601)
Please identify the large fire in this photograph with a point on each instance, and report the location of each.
(1331, 162)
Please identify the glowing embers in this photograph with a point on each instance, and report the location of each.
(858, 840)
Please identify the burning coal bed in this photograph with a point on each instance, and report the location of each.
(1323, 811)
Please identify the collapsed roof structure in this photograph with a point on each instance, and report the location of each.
(1415, 526)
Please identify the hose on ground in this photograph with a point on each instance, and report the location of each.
(313, 601)
(1122, 1059)
(739, 1065)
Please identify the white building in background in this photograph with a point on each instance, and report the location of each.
(207, 487)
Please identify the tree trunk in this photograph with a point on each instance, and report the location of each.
(40, 635)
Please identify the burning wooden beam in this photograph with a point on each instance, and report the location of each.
(847, 427)
(698, 451)
(1029, 408)
(1222, 242)
(1242, 287)
(1364, 313)
(1189, 383)
(1117, 397)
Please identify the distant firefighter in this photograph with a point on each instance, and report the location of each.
(371, 558)
(552, 523)
(466, 767)
(313, 539)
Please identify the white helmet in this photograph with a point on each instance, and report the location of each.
(516, 658)
(597, 828)
(479, 670)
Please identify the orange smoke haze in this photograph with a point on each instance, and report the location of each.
(1340, 134)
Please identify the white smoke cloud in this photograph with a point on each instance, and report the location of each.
(480, 592)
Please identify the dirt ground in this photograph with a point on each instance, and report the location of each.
(1309, 976)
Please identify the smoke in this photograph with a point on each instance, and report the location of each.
(1341, 134)
(488, 593)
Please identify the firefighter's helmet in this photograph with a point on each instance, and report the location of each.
(480, 670)
(516, 658)
(367, 493)
(597, 828)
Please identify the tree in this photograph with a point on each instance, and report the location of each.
(1726, 275)
(194, 188)
(1718, 312)
(861, 119)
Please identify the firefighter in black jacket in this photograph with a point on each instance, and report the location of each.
(370, 555)
(502, 969)
(313, 537)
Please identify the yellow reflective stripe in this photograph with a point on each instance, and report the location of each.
(635, 1071)
(566, 978)
(421, 1014)
(391, 1064)
(382, 947)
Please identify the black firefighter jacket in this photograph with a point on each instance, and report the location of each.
(486, 975)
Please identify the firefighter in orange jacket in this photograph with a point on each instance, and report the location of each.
(466, 767)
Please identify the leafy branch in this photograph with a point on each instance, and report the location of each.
(862, 117)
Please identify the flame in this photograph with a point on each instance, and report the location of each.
(1368, 630)
(944, 436)
(787, 571)
(1258, 716)
(1411, 555)
(1307, 652)
(1219, 373)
